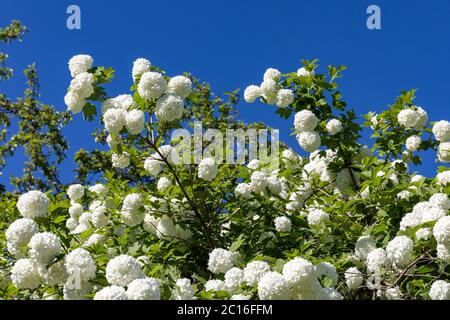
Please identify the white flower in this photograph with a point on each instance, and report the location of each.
(120, 160)
(254, 164)
(273, 286)
(254, 271)
(144, 289)
(207, 169)
(302, 72)
(444, 152)
(317, 217)
(166, 228)
(115, 120)
(244, 190)
(122, 270)
(20, 232)
(413, 143)
(405, 194)
(135, 121)
(423, 234)
(76, 210)
(123, 101)
(284, 98)
(80, 63)
(44, 247)
(240, 297)
(408, 118)
(376, 259)
(111, 293)
(305, 121)
(309, 141)
(99, 218)
(443, 178)
(74, 101)
(72, 224)
(79, 263)
(54, 274)
(164, 183)
(440, 290)
(113, 140)
(140, 66)
(440, 200)
(283, 224)
(394, 294)
(399, 250)
(233, 279)
(99, 189)
(258, 181)
(364, 245)
(169, 107)
(252, 93)
(82, 84)
(441, 230)
(328, 270)
(73, 292)
(75, 192)
(152, 85)
(334, 126)
(153, 167)
(353, 278)
(441, 130)
(33, 204)
(268, 90)
(221, 260)
(299, 272)
(24, 274)
(150, 223)
(183, 290)
(423, 117)
(180, 85)
(95, 239)
(443, 252)
(275, 185)
(214, 285)
(272, 74)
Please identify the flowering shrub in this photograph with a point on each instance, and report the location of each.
(345, 222)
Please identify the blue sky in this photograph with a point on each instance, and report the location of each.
(230, 43)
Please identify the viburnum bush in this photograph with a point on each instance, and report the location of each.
(345, 222)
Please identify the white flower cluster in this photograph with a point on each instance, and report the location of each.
(131, 213)
(120, 161)
(414, 117)
(283, 224)
(33, 204)
(221, 260)
(305, 122)
(81, 86)
(207, 169)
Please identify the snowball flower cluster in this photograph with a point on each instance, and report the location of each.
(441, 130)
(364, 245)
(252, 93)
(81, 86)
(207, 169)
(299, 272)
(183, 290)
(233, 279)
(111, 293)
(144, 289)
(122, 270)
(164, 183)
(19, 234)
(221, 260)
(440, 290)
(135, 121)
(169, 107)
(317, 217)
(444, 152)
(399, 250)
(131, 213)
(33, 204)
(353, 278)
(283, 224)
(152, 166)
(273, 286)
(180, 86)
(305, 121)
(140, 66)
(79, 64)
(44, 247)
(120, 161)
(79, 263)
(302, 72)
(123, 101)
(254, 271)
(284, 98)
(413, 143)
(152, 85)
(376, 259)
(75, 192)
(24, 274)
(334, 126)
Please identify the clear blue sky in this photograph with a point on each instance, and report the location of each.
(230, 44)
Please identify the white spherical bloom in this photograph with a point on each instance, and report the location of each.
(423, 118)
(166, 151)
(221, 260)
(441, 130)
(76, 210)
(183, 290)
(400, 250)
(54, 274)
(405, 194)
(75, 192)
(135, 121)
(33, 204)
(164, 183)
(443, 178)
(144, 289)
(72, 224)
(79, 263)
(328, 270)
(111, 293)
(114, 120)
(21, 231)
(80, 63)
(283, 224)
(233, 279)
(334, 126)
(244, 191)
(132, 201)
(273, 286)
(408, 118)
(254, 164)
(74, 101)
(272, 74)
(305, 121)
(166, 228)
(240, 297)
(344, 180)
(440, 200)
(258, 181)
(153, 167)
(444, 152)
(443, 252)
(82, 84)
(252, 93)
(152, 85)
(169, 108)
(353, 278)
(299, 272)
(207, 169)
(275, 185)
(180, 85)
(99, 189)
(113, 140)
(72, 291)
(364, 245)
(214, 285)
(24, 274)
(317, 217)
(413, 143)
(309, 141)
(302, 72)
(440, 290)
(394, 294)
(120, 161)
(122, 270)
(44, 247)
(376, 259)
(269, 90)
(94, 240)
(423, 234)
(150, 223)
(441, 230)
(140, 66)
(99, 218)
(132, 217)
(284, 98)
